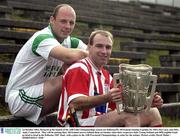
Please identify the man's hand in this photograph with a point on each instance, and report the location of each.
(116, 93)
(157, 101)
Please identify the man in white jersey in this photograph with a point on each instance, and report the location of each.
(88, 89)
(34, 86)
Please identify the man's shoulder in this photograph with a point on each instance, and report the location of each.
(42, 35)
(79, 66)
(77, 43)
(81, 63)
(74, 42)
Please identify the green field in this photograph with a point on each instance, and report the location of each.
(168, 122)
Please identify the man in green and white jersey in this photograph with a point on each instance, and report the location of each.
(34, 86)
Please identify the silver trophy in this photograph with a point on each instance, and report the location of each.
(136, 93)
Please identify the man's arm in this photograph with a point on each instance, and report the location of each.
(83, 102)
(68, 55)
(87, 102)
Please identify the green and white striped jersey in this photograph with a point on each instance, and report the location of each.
(33, 65)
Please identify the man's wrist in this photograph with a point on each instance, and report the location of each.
(107, 98)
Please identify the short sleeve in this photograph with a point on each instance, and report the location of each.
(77, 82)
(43, 44)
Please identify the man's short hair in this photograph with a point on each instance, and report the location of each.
(56, 9)
(102, 32)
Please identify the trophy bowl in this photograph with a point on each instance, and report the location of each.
(136, 81)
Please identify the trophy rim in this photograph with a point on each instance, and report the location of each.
(136, 67)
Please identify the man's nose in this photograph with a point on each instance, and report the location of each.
(104, 50)
(68, 25)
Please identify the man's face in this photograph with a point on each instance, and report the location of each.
(63, 24)
(100, 51)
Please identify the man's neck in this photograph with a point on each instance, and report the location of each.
(98, 68)
(60, 40)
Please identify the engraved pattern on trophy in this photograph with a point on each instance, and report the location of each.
(136, 81)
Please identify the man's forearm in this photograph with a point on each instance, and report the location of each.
(82, 103)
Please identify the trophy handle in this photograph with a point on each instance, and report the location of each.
(136, 94)
(116, 79)
(153, 79)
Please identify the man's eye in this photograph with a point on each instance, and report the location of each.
(99, 46)
(108, 47)
(63, 21)
(71, 23)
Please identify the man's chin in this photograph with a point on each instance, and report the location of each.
(104, 63)
(65, 36)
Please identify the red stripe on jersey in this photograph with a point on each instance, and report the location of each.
(73, 81)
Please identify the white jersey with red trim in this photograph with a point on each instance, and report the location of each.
(77, 82)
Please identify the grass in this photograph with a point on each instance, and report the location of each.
(3, 109)
(168, 122)
(153, 57)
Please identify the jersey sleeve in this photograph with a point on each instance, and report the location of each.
(43, 44)
(76, 83)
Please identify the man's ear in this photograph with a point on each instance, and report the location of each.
(51, 20)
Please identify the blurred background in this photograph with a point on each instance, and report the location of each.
(145, 31)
